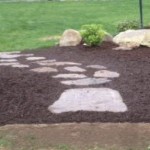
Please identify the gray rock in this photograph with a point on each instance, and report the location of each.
(86, 81)
(70, 76)
(11, 56)
(89, 99)
(96, 67)
(44, 70)
(8, 60)
(8, 63)
(35, 58)
(53, 63)
(20, 66)
(106, 74)
(74, 69)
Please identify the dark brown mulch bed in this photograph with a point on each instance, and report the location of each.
(25, 96)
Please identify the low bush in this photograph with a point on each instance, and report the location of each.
(127, 24)
(92, 34)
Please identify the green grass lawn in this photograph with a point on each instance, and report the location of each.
(22, 25)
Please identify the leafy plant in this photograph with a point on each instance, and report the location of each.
(127, 24)
(92, 34)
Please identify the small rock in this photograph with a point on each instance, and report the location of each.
(74, 69)
(44, 70)
(122, 48)
(96, 67)
(106, 74)
(86, 81)
(70, 38)
(20, 66)
(53, 63)
(35, 58)
(8, 60)
(9, 63)
(72, 76)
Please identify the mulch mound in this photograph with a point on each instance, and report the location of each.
(25, 95)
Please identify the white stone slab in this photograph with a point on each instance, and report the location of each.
(45, 62)
(14, 52)
(8, 60)
(70, 76)
(86, 81)
(20, 66)
(53, 63)
(74, 69)
(10, 56)
(89, 99)
(44, 70)
(35, 58)
(96, 67)
(106, 74)
(8, 63)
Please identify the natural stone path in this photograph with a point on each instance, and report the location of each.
(81, 97)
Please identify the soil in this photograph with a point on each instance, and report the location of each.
(25, 95)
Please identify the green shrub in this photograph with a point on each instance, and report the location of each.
(92, 34)
(127, 24)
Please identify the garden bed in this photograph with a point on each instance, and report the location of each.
(25, 95)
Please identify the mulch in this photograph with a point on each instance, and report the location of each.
(25, 95)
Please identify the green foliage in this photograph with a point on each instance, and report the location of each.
(92, 34)
(22, 27)
(127, 24)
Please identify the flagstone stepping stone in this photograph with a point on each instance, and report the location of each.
(8, 63)
(86, 81)
(8, 60)
(45, 62)
(89, 99)
(9, 56)
(67, 76)
(106, 74)
(35, 58)
(96, 67)
(44, 70)
(20, 66)
(14, 52)
(74, 69)
(53, 63)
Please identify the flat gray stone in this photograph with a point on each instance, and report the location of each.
(44, 70)
(8, 63)
(106, 74)
(35, 58)
(70, 76)
(14, 52)
(96, 67)
(53, 63)
(89, 99)
(74, 69)
(86, 81)
(20, 66)
(8, 60)
(45, 62)
(10, 56)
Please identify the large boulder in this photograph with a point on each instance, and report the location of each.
(133, 38)
(70, 38)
